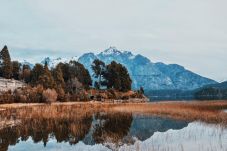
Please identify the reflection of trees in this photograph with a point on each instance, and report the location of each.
(69, 129)
(112, 127)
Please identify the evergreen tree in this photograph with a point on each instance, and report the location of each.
(58, 77)
(141, 91)
(96, 85)
(99, 69)
(16, 66)
(36, 72)
(46, 79)
(125, 79)
(5, 63)
(26, 74)
(117, 77)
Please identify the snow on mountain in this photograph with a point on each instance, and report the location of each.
(25, 62)
(54, 62)
(156, 76)
(151, 76)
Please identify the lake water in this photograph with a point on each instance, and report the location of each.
(105, 131)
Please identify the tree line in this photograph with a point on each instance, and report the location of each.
(66, 79)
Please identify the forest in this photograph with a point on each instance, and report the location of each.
(65, 82)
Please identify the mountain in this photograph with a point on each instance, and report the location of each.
(155, 76)
(53, 62)
(151, 76)
(25, 62)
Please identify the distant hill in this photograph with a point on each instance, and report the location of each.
(222, 85)
(212, 92)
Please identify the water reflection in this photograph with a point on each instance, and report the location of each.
(69, 125)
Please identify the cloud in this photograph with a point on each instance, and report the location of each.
(192, 33)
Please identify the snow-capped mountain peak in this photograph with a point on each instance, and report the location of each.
(155, 76)
(111, 51)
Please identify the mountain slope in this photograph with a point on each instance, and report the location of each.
(156, 76)
(151, 76)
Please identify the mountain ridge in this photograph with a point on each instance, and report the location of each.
(151, 76)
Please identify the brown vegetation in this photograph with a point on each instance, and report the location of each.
(50, 95)
(207, 111)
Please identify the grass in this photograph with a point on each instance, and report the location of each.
(75, 112)
(206, 111)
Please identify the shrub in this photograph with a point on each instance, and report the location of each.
(50, 95)
(6, 97)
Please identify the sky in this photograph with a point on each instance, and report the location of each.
(192, 33)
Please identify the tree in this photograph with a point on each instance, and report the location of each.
(141, 91)
(5, 63)
(16, 70)
(36, 72)
(60, 83)
(98, 68)
(96, 85)
(76, 69)
(58, 77)
(74, 86)
(26, 74)
(46, 79)
(117, 77)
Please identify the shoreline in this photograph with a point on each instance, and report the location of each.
(205, 111)
(118, 102)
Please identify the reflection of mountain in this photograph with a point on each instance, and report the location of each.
(143, 127)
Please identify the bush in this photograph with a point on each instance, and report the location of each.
(6, 97)
(50, 95)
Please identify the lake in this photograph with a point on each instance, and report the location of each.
(67, 128)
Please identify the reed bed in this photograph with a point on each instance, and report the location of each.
(206, 111)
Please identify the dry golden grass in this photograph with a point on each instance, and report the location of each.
(206, 111)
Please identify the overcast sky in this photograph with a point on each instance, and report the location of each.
(192, 33)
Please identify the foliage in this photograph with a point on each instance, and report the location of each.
(117, 77)
(46, 79)
(5, 63)
(26, 74)
(76, 69)
(16, 70)
(50, 95)
(36, 72)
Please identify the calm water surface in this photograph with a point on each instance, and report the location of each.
(106, 131)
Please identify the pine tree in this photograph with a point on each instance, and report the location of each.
(46, 79)
(16, 70)
(36, 72)
(26, 74)
(58, 77)
(5, 63)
